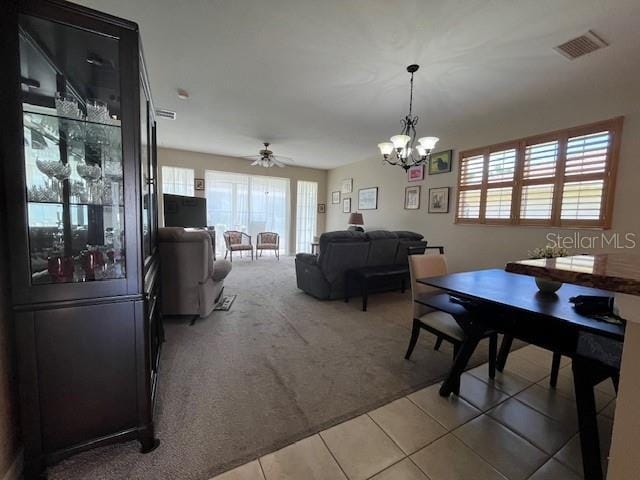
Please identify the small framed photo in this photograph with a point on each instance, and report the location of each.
(415, 173)
(412, 198)
(439, 200)
(368, 198)
(347, 185)
(322, 208)
(198, 184)
(335, 198)
(440, 162)
(346, 205)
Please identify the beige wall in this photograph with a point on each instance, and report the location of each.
(476, 246)
(204, 161)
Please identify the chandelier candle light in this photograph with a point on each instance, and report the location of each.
(401, 150)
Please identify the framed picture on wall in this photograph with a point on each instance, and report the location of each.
(415, 173)
(368, 198)
(440, 162)
(439, 200)
(347, 185)
(346, 205)
(335, 198)
(198, 184)
(322, 208)
(412, 198)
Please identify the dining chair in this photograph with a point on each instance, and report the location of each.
(268, 241)
(237, 242)
(441, 324)
(505, 349)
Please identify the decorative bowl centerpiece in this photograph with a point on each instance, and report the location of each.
(546, 285)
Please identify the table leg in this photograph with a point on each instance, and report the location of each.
(365, 294)
(587, 419)
(505, 348)
(346, 288)
(452, 382)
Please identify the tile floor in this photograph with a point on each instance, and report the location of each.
(515, 427)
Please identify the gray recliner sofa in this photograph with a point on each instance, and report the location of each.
(192, 281)
(323, 275)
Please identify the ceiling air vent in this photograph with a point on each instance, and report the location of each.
(165, 114)
(579, 46)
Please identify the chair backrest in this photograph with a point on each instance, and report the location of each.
(423, 266)
(271, 238)
(232, 237)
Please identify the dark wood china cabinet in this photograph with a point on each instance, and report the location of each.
(78, 152)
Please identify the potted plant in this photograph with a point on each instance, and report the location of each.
(546, 285)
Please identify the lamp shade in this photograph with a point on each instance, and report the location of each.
(428, 142)
(356, 219)
(400, 141)
(385, 148)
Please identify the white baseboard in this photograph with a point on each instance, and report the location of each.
(15, 471)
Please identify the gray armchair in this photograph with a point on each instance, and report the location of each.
(192, 281)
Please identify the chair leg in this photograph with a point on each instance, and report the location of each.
(555, 369)
(225, 254)
(415, 333)
(231, 256)
(505, 348)
(493, 354)
(438, 343)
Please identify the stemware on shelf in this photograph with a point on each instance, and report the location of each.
(67, 106)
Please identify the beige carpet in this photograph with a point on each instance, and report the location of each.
(277, 367)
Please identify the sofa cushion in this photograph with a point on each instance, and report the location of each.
(382, 248)
(340, 236)
(406, 235)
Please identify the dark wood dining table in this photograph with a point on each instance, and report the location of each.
(512, 304)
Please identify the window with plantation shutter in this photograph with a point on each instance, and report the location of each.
(563, 178)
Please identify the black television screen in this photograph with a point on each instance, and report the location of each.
(180, 211)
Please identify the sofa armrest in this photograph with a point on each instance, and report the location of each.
(307, 258)
(221, 269)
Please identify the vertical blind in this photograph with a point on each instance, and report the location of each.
(178, 181)
(306, 215)
(563, 178)
(247, 203)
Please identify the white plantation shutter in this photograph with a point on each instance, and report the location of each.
(469, 204)
(587, 154)
(564, 178)
(536, 202)
(498, 204)
(501, 167)
(470, 187)
(582, 200)
(585, 175)
(538, 181)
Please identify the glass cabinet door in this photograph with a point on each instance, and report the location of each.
(72, 152)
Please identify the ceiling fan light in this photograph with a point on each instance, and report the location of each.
(400, 141)
(385, 148)
(428, 142)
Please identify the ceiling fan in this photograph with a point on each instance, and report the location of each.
(267, 159)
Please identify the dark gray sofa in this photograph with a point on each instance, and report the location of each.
(323, 275)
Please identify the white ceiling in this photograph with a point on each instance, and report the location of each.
(325, 80)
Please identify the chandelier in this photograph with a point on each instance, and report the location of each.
(402, 149)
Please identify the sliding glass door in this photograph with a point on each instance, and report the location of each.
(306, 215)
(247, 203)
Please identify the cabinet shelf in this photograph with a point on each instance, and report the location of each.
(75, 204)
